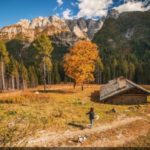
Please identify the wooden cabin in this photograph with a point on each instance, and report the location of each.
(123, 91)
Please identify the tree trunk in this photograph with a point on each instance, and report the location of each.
(44, 75)
(18, 82)
(12, 83)
(100, 77)
(23, 84)
(3, 76)
(74, 84)
(82, 87)
(50, 79)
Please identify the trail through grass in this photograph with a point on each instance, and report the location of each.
(61, 108)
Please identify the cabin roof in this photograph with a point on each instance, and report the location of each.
(117, 86)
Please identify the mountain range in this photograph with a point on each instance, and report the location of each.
(123, 41)
(66, 32)
(61, 30)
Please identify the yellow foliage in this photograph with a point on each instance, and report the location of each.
(79, 63)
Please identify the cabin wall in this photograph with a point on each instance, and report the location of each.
(128, 99)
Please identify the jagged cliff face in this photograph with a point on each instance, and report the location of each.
(30, 29)
(62, 31)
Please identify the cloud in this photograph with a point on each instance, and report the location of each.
(60, 2)
(67, 14)
(132, 6)
(99, 8)
(93, 8)
(74, 4)
(55, 9)
(57, 14)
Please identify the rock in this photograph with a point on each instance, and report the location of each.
(81, 139)
(24, 23)
(77, 31)
(120, 136)
(113, 14)
(96, 117)
(62, 31)
(93, 27)
(70, 141)
(113, 110)
(39, 22)
(11, 124)
(37, 93)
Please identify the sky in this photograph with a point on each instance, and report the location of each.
(11, 11)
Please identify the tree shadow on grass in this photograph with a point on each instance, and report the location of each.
(55, 91)
(95, 97)
(79, 126)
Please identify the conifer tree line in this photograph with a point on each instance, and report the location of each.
(132, 65)
(40, 63)
(23, 65)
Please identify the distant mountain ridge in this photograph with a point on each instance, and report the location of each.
(63, 31)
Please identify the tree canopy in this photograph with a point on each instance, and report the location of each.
(43, 49)
(79, 63)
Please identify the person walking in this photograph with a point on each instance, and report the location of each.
(91, 116)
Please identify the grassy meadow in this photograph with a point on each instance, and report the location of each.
(61, 108)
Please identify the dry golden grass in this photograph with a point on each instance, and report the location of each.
(61, 108)
(146, 87)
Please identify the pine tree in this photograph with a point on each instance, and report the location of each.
(98, 70)
(146, 67)
(12, 71)
(56, 75)
(131, 70)
(32, 77)
(4, 59)
(24, 75)
(125, 68)
(43, 48)
(15, 48)
(113, 67)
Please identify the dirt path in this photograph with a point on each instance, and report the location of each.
(103, 135)
(118, 137)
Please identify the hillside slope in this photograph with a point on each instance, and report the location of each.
(125, 31)
(125, 46)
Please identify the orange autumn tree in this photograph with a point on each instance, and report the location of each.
(79, 63)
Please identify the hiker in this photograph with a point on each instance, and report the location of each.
(91, 116)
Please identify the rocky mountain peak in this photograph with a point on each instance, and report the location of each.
(54, 26)
(24, 23)
(113, 14)
(55, 19)
(39, 22)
